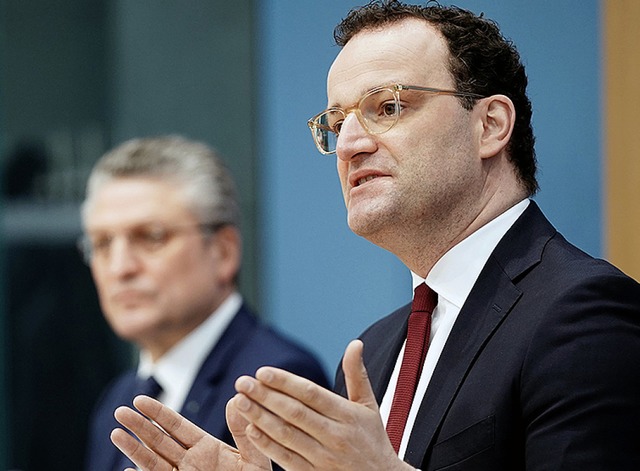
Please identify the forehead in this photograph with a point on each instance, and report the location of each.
(124, 202)
(411, 52)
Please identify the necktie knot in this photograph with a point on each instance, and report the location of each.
(424, 299)
(149, 387)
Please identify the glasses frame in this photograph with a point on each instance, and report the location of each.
(86, 249)
(395, 89)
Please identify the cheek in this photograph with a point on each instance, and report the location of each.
(343, 174)
(172, 273)
(192, 288)
(101, 282)
(188, 272)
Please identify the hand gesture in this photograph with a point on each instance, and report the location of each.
(180, 444)
(302, 426)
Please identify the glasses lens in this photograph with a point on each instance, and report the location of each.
(380, 110)
(326, 128)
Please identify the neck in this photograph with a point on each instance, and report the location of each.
(420, 245)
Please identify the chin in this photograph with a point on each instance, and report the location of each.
(366, 229)
(365, 219)
(132, 326)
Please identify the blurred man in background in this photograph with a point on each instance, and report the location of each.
(162, 240)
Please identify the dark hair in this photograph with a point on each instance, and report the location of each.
(481, 61)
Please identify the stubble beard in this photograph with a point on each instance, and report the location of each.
(378, 222)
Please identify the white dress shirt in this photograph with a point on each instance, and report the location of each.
(177, 369)
(452, 277)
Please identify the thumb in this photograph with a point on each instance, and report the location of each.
(237, 425)
(356, 377)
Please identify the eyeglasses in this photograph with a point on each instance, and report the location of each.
(377, 111)
(142, 241)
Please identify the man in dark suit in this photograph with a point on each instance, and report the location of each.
(162, 239)
(518, 352)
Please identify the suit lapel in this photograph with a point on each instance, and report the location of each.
(204, 391)
(381, 351)
(111, 457)
(491, 299)
(478, 319)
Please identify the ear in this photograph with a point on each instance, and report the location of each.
(498, 117)
(226, 244)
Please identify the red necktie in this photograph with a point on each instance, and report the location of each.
(415, 350)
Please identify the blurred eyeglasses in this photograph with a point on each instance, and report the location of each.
(142, 241)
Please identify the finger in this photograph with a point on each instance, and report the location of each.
(356, 377)
(237, 425)
(315, 397)
(275, 437)
(256, 398)
(160, 444)
(299, 415)
(285, 457)
(144, 458)
(185, 432)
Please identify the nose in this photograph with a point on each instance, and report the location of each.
(122, 259)
(354, 139)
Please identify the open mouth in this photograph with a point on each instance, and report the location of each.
(365, 179)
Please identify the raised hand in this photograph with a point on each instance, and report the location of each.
(180, 444)
(302, 426)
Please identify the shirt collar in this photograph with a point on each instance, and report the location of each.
(176, 370)
(454, 275)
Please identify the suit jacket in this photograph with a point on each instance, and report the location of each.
(245, 346)
(541, 370)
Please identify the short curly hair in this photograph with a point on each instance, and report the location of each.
(482, 61)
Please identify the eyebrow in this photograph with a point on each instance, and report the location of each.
(388, 83)
(128, 227)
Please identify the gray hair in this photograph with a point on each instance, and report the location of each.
(207, 183)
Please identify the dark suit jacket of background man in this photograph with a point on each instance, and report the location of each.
(541, 369)
(245, 346)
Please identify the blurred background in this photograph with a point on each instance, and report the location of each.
(78, 77)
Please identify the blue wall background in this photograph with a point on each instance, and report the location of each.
(321, 283)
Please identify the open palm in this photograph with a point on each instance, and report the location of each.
(180, 444)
